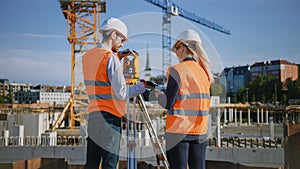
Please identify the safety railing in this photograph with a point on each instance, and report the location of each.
(247, 143)
(81, 141)
(43, 141)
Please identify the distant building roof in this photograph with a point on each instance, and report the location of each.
(4, 80)
(273, 62)
(21, 84)
(239, 70)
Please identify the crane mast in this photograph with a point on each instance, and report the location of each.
(166, 40)
(83, 25)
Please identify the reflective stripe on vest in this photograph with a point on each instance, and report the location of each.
(101, 94)
(189, 114)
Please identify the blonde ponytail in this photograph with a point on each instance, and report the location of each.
(202, 58)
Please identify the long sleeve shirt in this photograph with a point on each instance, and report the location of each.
(168, 99)
(116, 77)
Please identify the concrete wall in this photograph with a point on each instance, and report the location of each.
(36, 163)
(34, 123)
(250, 156)
(76, 155)
(292, 152)
(72, 154)
(48, 163)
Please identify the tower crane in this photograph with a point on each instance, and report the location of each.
(171, 9)
(83, 25)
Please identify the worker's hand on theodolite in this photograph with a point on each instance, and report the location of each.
(125, 53)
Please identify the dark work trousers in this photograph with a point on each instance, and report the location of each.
(104, 132)
(187, 152)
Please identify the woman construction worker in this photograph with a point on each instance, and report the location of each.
(187, 99)
(108, 92)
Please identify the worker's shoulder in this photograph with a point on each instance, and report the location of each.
(176, 66)
(93, 50)
(97, 50)
(104, 51)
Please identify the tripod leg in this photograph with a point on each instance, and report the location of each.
(131, 135)
(153, 135)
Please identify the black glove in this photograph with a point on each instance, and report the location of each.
(126, 52)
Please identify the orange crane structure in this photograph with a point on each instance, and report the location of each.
(83, 26)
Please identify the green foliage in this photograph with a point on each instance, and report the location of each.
(293, 89)
(268, 89)
(241, 94)
(265, 89)
(216, 89)
(253, 99)
(6, 99)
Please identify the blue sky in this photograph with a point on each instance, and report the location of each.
(34, 46)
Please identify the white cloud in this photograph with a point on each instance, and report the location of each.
(34, 35)
(35, 66)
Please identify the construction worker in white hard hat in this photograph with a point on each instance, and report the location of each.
(187, 98)
(107, 92)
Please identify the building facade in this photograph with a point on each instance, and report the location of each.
(280, 69)
(4, 87)
(37, 96)
(15, 87)
(234, 77)
(32, 93)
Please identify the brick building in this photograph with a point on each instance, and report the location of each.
(280, 69)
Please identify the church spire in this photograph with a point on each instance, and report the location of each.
(147, 68)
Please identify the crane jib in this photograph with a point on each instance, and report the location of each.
(188, 15)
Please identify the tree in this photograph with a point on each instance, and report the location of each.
(256, 88)
(263, 98)
(266, 89)
(241, 94)
(253, 98)
(10, 98)
(2, 99)
(292, 89)
(216, 89)
(6, 99)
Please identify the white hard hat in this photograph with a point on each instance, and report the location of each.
(185, 36)
(115, 24)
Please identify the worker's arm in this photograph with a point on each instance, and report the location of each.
(116, 77)
(168, 99)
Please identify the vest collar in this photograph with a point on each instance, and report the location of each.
(189, 58)
(102, 45)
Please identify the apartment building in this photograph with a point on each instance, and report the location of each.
(280, 69)
(4, 87)
(234, 77)
(37, 96)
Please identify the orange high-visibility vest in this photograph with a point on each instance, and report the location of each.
(101, 94)
(189, 114)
